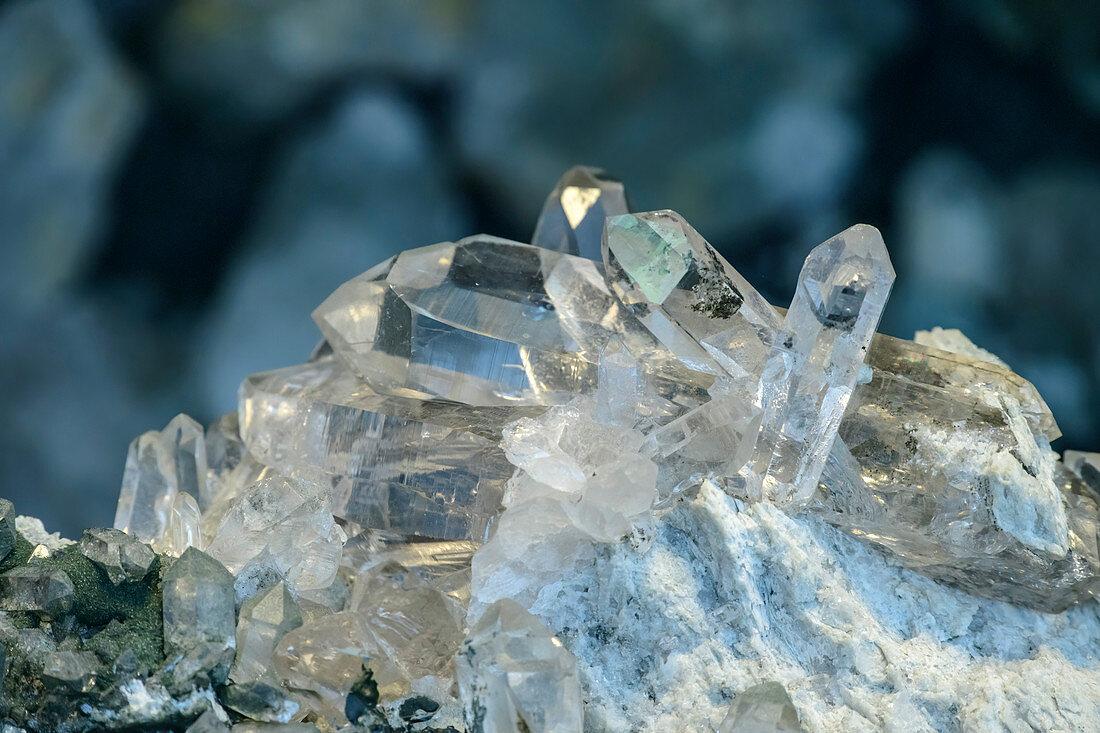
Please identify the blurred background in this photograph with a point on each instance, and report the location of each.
(182, 182)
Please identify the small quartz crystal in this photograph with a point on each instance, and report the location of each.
(515, 675)
(763, 708)
(198, 603)
(121, 555)
(158, 466)
(38, 588)
(265, 618)
(572, 217)
(289, 519)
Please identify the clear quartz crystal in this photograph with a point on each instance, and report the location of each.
(573, 216)
(122, 556)
(409, 627)
(265, 618)
(160, 465)
(290, 520)
(687, 295)
(763, 708)
(325, 656)
(198, 603)
(515, 675)
(183, 528)
(816, 360)
(475, 321)
(400, 464)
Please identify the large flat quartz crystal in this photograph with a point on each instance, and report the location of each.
(401, 464)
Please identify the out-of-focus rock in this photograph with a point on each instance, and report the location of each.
(362, 186)
(68, 109)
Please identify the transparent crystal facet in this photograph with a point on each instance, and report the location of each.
(816, 360)
(289, 519)
(763, 708)
(160, 465)
(265, 618)
(515, 675)
(573, 216)
(406, 465)
(198, 603)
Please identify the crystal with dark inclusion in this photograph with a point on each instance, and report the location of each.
(763, 708)
(573, 216)
(945, 463)
(515, 675)
(198, 603)
(37, 588)
(121, 555)
(815, 361)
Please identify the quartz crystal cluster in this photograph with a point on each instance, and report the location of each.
(595, 482)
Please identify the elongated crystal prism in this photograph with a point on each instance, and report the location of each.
(817, 358)
(158, 466)
(688, 296)
(573, 216)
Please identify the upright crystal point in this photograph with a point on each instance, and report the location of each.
(482, 321)
(816, 360)
(158, 466)
(183, 528)
(198, 603)
(692, 300)
(763, 708)
(515, 675)
(573, 216)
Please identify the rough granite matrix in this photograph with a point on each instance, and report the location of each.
(595, 482)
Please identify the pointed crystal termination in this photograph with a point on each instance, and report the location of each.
(158, 466)
(122, 556)
(265, 619)
(816, 361)
(699, 307)
(573, 216)
(688, 296)
(183, 528)
(36, 588)
(483, 321)
(763, 708)
(515, 675)
(198, 603)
